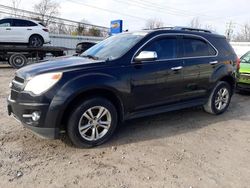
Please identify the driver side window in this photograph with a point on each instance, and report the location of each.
(164, 47)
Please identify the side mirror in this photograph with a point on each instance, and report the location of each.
(146, 56)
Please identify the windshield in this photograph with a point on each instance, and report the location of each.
(113, 47)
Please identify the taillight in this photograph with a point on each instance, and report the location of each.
(238, 63)
(46, 30)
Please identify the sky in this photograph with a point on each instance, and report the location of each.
(135, 13)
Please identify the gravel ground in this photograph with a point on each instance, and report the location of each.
(188, 148)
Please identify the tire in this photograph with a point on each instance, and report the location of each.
(17, 60)
(36, 41)
(219, 101)
(82, 127)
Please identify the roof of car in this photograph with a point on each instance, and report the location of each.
(185, 30)
(36, 21)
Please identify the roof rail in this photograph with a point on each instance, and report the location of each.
(180, 28)
(159, 28)
(191, 29)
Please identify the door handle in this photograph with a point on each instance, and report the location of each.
(8, 29)
(29, 29)
(213, 62)
(176, 68)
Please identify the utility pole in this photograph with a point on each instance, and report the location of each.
(229, 30)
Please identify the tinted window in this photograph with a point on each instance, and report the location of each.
(5, 23)
(223, 46)
(23, 23)
(194, 47)
(164, 47)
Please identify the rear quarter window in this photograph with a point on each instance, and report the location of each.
(224, 48)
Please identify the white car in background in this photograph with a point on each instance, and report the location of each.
(22, 31)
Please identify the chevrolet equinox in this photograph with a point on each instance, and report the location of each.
(126, 76)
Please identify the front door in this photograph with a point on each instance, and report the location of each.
(157, 82)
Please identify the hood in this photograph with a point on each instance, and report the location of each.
(61, 64)
(244, 67)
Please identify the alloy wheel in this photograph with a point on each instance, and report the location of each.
(94, 123)
(222, 99)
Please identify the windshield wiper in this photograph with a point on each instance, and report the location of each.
(90, 56)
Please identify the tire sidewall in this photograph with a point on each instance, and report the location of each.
(13, 64)
(37, 36)
(218, 87)
(73, 131)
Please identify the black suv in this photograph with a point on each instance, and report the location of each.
(126, 76)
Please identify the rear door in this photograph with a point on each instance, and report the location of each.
(5, 30)
(158, 82)
(199, 63)
(22, 29)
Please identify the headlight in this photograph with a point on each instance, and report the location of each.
(41, 83)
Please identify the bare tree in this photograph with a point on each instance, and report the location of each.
(229, 30)
(244, 34)
(47, 10)
(195, 23)
(153, 23)
(209, 27)
(15, 6)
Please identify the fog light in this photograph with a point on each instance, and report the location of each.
(35, 116)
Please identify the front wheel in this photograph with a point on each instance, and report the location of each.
(92, 122)
(219, 99)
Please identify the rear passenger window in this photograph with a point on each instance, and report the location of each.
(194, 47)
(22, 23)
(164, 47)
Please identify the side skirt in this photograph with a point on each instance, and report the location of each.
(165, 108)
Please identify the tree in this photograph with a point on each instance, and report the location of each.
(15, 6)
(244, 34)
(229, 30)
(81, 27)
(195, 23)
(47, 10)
(209, 27)
(153, 23)
(94, 32)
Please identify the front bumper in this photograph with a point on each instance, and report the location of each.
(19, 110)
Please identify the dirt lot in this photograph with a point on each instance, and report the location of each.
(189, 148)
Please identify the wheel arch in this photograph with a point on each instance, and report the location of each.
(34, 34)
(98, 92)
(230, 80)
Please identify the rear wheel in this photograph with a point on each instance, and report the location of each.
(17, 60)
(92, 122)
(35, 41)
(219, 99)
